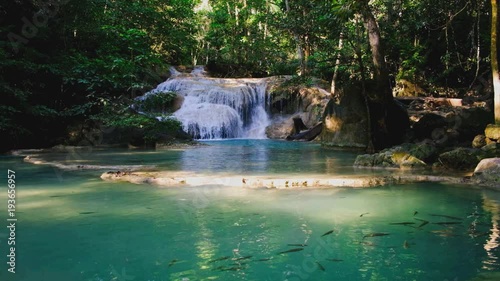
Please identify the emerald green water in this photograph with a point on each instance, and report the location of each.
(73, 226)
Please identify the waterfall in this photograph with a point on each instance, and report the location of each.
(217, 108)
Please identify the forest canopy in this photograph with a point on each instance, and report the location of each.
(65, 62)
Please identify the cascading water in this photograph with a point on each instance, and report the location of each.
(216, 108)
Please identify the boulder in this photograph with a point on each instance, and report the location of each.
(403, 157)
(461, 158)
(280, 128)
(492, 132)
(488, 172)
(479, 141)
(346, 124)
(491, 150)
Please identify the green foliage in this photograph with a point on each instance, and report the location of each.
(90, 53)
(120, 115)
(156, 103)
(153, 129)
(93, 53)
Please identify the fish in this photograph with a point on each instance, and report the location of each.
(447, 222)
(414, 213)
(376, 234)
(242, 258)
(220, 259)
(297, 245)
(328, 232)
(406, 245)
(87, 213)
(443, 233)
(233, 268)
(321, 267)
(402, 223)
(172, 262)
(446, 216)
(424, 222)
(363, 214)
(334, 260)
(291, 251)
(56, 196)
(264, 259)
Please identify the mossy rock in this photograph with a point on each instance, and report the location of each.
(406, 160)
(461, 158)
(492, 132)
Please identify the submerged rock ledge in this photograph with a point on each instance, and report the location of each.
(71, 167)
(179, 179)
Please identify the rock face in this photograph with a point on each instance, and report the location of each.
(297, 102)
(448, 125)
(488, 172)
(346, 124)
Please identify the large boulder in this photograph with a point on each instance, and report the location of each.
(346, 124)
(461, 158)
(488, 172)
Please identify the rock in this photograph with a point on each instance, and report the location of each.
(346, 124)
(479, 141)
(428, 126)
(425, 150)
(491, 150)
(402, 157)
(470, 122)
(289, 102)
(492, 132)
(488, 172)
(406, 160)
(461, 158)
(280, 128)
(309, 134)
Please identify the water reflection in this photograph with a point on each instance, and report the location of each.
(266, 157)
(491, 205)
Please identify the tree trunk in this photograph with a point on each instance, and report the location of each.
(388, 120)
(381, 74)
(300, 50)
(333, 92)
(494, 59)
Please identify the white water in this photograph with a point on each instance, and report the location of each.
(216, 108)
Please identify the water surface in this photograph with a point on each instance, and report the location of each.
(73, 226)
